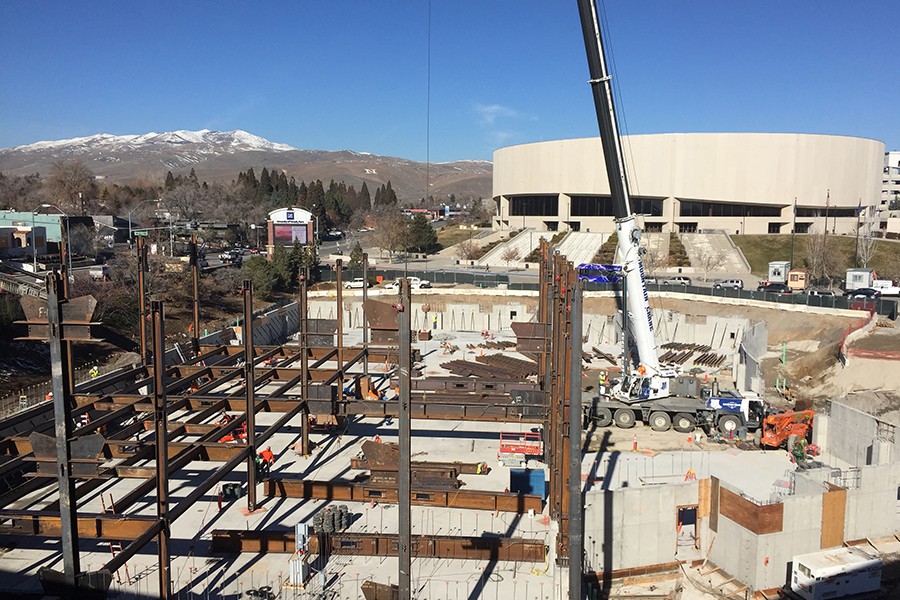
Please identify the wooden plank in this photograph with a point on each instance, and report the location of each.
(834, 506)
(714, 504)
(760, 520)
(704, 487)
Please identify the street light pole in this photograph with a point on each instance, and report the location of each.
(131, 212)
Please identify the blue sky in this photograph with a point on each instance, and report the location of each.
(353, 75)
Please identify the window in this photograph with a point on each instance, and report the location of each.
(692, 208)
(373, 493)
(534, 206)
(421, 496)
(775, 227)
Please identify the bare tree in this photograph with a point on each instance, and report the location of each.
(72, 184)
(823, 258)
(467, 250)
(865, 250)
(709, 261)
(510, 255)
(655, 260)
(390, 230)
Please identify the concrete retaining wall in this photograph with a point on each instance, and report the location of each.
(643, 525)
(851, 438)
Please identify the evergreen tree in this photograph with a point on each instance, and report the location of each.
(356, 256)
(421, 237)
(265, 189)
(364, 201)
(193, 176)
(302, 193)
(391, 197)
(170, 182)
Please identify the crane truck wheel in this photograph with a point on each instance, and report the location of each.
(624, 418)
(792, 443)
(729, 424)
(684, 423)
(660, 421)
(603, 417)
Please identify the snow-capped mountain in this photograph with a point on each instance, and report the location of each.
(220, 155)
(202, 142)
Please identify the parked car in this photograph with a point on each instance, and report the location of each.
(867, 293)
(774, 288)
(820, 292)
(99, 272)
(414, 283)
(678, 280)
(358, 283)
(651, 280)
(729, 284)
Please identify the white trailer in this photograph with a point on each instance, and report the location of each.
(778, 271)
(835, 573)
(859, 278)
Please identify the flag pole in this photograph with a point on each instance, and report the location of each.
(793, 231)
(858, 211)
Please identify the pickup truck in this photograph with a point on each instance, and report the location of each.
(414, 283)
(886, 287)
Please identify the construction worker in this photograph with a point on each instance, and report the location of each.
(94, 373)
(49, 396)
(434, 321)
(377, 439)
(267, 458)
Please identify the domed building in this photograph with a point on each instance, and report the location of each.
(688, 182)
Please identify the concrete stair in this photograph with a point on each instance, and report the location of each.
(580, 247)
(524, 243)
(718, 245)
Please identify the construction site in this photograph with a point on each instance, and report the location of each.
(272, 458)
(581, 438)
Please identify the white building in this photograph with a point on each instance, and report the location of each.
(736, 182)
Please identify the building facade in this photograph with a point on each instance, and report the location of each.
(735, 182)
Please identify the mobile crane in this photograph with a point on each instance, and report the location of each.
(649, 392)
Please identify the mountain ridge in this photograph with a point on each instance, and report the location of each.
(220, 156)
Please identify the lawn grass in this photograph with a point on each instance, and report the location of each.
(760, 250)
(449, 236)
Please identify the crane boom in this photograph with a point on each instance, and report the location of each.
(628, 247)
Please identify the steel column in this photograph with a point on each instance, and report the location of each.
(162, 457)
(403, 478)
(195, 278)
(365, 321)
(304, 365)
(576, 506)
(339, 267)
(249, 386)
(142, 296)
(62, 403)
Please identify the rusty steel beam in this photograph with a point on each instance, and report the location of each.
(250, 388)
(160, 415)
(143, 267)
(352, 492)
(96, 526)
(404, 479)
(377, 544)
(304, 366)
(195, 293)
(60, 364)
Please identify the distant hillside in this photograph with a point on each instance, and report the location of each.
(219, 156)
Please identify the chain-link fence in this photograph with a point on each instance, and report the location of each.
(37, 393)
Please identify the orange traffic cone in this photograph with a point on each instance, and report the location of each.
(634, 444)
